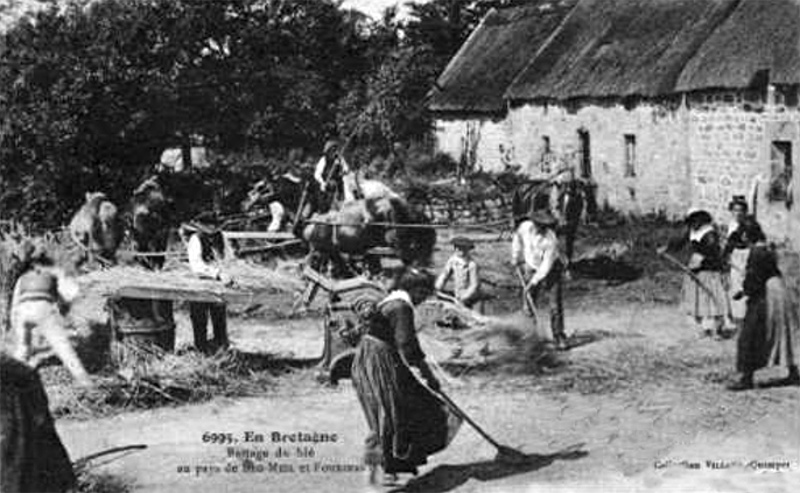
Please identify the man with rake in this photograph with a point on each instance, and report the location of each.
(537, 260)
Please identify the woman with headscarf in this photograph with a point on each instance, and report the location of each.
(743, 233)
(704, 293)
(407, 422)
(769, 336)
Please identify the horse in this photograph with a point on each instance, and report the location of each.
(356, 188)
(286, 194)
(338, 237)
(151, 211)
(96, 227)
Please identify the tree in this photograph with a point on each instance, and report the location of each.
(388, 105)
(90, 95)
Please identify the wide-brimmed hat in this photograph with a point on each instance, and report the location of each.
(543, 218)
(738, 200)
(463, 242)
(292, 177)
(330, 145)
(198, 226)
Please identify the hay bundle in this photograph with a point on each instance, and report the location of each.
(248, 277)
(496, 340)
(164, 379)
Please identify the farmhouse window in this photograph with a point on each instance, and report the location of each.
(630, 155)
(585, 154)
(780, 170)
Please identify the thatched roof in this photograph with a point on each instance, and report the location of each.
(620, 48)
(759, 35)
(501, 46)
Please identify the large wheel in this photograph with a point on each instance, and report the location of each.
(337, 352)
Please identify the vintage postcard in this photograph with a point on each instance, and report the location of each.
(400, 246)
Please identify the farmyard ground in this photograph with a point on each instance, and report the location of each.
(638, 404)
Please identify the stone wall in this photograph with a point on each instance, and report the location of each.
(660, 181)
(660, 164)
(730, 138)
(695, 150)
(485, 143)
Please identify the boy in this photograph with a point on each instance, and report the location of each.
(464, 271)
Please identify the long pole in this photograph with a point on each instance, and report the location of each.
(677, 263)
(409, 225)
(526, 297)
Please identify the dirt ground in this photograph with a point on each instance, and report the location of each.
(637, 404)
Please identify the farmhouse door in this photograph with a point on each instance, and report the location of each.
(585, 155)
(780, 213)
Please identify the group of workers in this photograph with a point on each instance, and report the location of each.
(33, 457)
(733, 286)
(538, 263)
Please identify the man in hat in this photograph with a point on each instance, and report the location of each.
(464, 271)
(204, 247)
(535, 254)
(35, 313)
(330, 170)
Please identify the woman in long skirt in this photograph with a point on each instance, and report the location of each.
(407, 422)
(32, 457)
(704, 301)
(743, 232)
(771, 323)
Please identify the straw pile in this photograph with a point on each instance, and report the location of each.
(248, 278)
(169, 379)
(102, 482)
(484, 342)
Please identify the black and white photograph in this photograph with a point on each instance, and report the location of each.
(399, 246)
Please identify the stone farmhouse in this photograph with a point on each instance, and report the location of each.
(664, 104)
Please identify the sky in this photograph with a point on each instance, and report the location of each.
(374, 8)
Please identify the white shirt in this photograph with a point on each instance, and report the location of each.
(464, 272)
(538, 251)
(194, 249)
(319, 171)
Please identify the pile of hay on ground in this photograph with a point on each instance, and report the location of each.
(168, 379)
(488, 342)
(101, 482)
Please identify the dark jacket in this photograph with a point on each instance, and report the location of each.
(708, 246)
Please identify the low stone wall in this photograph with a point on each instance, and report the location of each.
(483, 211)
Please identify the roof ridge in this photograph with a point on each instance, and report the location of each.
(695, 49)
(440, 81)
(542, 47)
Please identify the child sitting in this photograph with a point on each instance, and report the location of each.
(464, 271)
